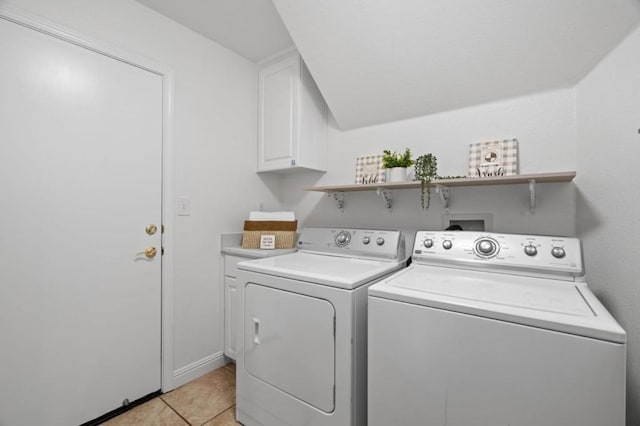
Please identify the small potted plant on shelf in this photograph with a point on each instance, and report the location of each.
(426, 169)
(396, 165)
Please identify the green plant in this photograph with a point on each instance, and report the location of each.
(426, 168)
(395, 159)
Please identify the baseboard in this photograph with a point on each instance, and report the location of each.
(199, 368)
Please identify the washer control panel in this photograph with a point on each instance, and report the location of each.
(371, 243)
(486, 250)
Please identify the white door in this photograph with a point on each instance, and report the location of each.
(80, 179)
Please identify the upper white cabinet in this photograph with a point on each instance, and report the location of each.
(292, 117)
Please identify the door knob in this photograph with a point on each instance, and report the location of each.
(151, 229)
(150, 252)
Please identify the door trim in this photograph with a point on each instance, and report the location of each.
(34, 22)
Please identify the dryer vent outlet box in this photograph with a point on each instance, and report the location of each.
(469, 222)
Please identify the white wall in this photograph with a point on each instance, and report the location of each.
(544, 125)
(215, 148)
(608, 201)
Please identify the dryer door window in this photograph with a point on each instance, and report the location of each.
(290, 344)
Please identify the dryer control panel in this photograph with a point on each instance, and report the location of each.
(353, 242)
(511, 252)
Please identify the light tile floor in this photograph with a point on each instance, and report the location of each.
(209, 400)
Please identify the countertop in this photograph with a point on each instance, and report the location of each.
(232, 244)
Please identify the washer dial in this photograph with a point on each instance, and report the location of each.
(486, 247)
(343, 239)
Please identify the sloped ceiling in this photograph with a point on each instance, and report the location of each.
(251, 28)
(377, 61)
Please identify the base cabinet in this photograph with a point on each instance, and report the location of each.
(230, 317)
(231, 305)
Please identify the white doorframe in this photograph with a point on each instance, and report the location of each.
(31, 21)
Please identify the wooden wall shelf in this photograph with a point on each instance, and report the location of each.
(442, 186)
(500, 180)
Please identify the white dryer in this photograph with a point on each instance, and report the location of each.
(302, 357)
(493, 329)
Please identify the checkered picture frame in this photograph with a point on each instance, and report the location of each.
(494, 158)
(369, 169)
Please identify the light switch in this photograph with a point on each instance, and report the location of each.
(184, 208)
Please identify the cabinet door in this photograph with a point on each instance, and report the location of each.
(278, 110)
(231, 320)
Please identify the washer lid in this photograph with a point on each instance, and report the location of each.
(334, 271)
(552, 304)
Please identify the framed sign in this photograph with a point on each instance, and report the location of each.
(494, 158)
(369, 170)
(267, 242)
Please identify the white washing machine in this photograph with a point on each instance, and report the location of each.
(302, 356)
(492, 330)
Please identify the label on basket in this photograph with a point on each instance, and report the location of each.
(268, 242)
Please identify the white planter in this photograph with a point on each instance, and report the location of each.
(397, 174)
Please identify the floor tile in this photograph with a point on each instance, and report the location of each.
(228, 418)
(231, 367)
(151, 413)
(204, 398)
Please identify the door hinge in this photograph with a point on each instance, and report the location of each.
(162, 251)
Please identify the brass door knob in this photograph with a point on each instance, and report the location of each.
(150, 252)
(151, 229)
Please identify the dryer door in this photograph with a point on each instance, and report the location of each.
(290, 343)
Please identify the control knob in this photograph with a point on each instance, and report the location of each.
(428, 243)
(530, 250)
(447, 244)
(343, 238)
(366, 240)
(558, 252)
(486, 247)
(380, 241)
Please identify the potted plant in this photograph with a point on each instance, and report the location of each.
(397, 164)
(426, 168)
